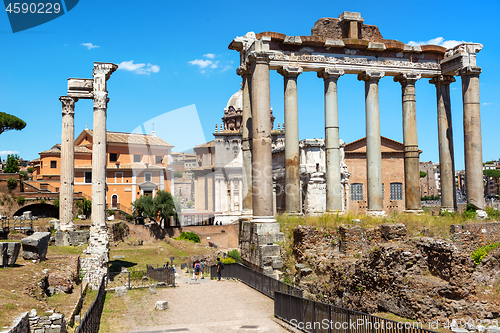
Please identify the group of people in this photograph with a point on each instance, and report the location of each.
(199, 269)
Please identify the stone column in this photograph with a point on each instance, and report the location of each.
(473, 146)
(292, 172)
(67, 164)
(99, 241)
(232, 196)
(410, 142)
(262, 180)
(217, 194)
(246, 142)
(373, 143)
(445, 136)
(332, 140)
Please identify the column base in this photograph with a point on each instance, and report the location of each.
(263, 219)
(413, 211)
(376, 213)
(481, 214)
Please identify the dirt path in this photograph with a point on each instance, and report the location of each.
(203, 306)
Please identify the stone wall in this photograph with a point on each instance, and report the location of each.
(468, 237)
(48, 323)
(258, 246)
(225, 236)
(118, 231)
(21, 325)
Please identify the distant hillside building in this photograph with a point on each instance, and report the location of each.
(430, 185)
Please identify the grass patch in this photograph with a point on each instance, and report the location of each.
(64, 250)
(479, 254)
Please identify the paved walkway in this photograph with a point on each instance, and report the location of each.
(205, 306)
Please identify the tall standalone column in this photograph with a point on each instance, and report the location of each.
(246, 146)
(445, 136)
(473, 146)
(292, 172)
(102, 71)
(67, 164)
(262, 179)
(373, 143)
(410, 142)
(332, 140)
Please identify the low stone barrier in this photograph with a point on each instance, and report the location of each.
(21, 325)
(51, 323)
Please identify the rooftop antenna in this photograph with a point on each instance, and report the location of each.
(86, 126)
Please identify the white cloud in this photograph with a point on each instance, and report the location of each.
(202, 63)
(438, 41)
(8, 152)
(209, 55)
(90, 46)
(485, 103)
(139, 68)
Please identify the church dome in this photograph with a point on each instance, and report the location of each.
(236, 101)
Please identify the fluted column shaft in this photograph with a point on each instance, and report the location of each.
(373, 142)
(246, 141)
(410, 141)
(445, 136)
(262, 180)
(67, 164)
(332, 140)
(292, 172)
(473, 147)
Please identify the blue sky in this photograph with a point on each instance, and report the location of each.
(174, 56)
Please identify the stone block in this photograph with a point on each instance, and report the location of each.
(270, 250)
(9, 251)
(305, 271)
(120, 291)
(161, 305)
(268, 270)
(62, 238)
(54, 329)
(299, 266)
(152, 289)
(493, 329)
(35, 246)
(55, 223)
(277, 263)
(79, 237)
(267, 261)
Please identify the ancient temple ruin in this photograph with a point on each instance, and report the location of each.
(345, 45)
(95, 261)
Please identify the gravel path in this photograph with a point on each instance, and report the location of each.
(204, 306)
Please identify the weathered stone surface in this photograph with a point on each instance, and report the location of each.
(161, 305)
(9, 251)
(35, 246)
(392, 231)
(120, 291)
(152, 289)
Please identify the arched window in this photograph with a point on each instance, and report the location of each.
(396, 191)
(357, 192)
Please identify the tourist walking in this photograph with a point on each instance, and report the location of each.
(220, 267)
(202, 269)
(197, 268)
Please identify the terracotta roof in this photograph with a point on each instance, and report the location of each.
(56, 149)
(133, 138)
(206, 145)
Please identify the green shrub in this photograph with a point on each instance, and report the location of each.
(56, 202)
(493, 213)
(190, 204)
(482, 252)
(189, 236)
(228, 260)
(80, 211)
(469, 212)
(235, 255)
(129, 217)
(11, 183)
(20, 200)
(30, 169)
(42, 200)
(25, 175)
(111, 212)
(177, 174)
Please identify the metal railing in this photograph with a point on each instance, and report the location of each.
(92, 318)
(257, 280)
(161, 274)
(317, 317)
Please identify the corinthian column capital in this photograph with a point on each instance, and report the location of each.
(370, 76)
(442, 79)
(242, 71)
(260, 57)
(68, 104)
(330, 73)
(289, 71)
(407, 78)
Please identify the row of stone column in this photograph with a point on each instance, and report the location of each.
(256, 105)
